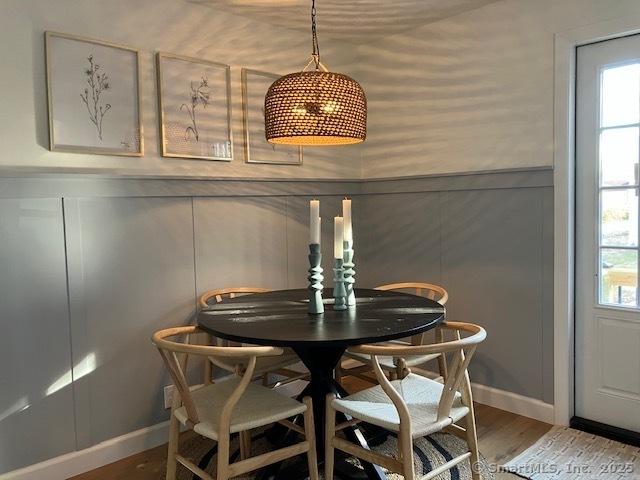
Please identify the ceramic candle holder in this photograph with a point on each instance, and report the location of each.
(339, 291)
(349, 273)
(315, 280)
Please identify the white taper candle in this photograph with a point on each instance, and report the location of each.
(314, 221)
(338, 238)
(346, 214)
(315, 230)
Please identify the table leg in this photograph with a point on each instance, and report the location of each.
(321, 363)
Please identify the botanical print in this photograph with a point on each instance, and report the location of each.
(199, 96)
(195, 110)
(93, 96)
(97, 83)
(257, 149)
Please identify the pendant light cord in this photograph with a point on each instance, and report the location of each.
(314, 36)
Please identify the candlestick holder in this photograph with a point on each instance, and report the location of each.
(349, 273)
(315, 280)
(339, 291)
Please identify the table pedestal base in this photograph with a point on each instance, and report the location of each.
(321, 364)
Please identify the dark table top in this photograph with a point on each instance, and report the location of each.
(280, 318)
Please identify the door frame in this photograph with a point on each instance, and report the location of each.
(565, 45)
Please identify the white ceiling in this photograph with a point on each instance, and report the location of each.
(354, 20)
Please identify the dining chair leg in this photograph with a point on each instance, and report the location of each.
(339, 373)
(174, 438)
(330, 432)
(406, 453)
(223, 456)
(310, 434)
(472, 443)
(245, 444)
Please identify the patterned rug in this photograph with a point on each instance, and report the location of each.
(568, 454)
(429, 452)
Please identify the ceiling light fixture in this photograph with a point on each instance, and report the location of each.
(315, 107)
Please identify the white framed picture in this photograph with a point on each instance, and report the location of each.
(93, 96)
(257, 150)
(194, 98)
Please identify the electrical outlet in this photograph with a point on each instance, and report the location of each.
(168, 395)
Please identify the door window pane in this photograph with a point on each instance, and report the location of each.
(619, 217)
(618, 156)
(621, 95)
(619, 277)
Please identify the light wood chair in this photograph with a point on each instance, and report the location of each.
(413, 406)
(232, 405)
(276, 365)
(395, 365)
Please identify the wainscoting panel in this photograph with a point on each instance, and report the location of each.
(399, 238)
(36, 398)
(492, 263)
(131, 272)
(240, 242)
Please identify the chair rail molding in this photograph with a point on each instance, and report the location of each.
(565, 44)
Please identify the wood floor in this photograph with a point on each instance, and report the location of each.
(502, 436)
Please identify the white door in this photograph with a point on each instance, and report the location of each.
(607, 379)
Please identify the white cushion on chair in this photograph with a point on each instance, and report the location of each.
(258, 406)
(421, 395)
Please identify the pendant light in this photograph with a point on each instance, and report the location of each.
(315, 107)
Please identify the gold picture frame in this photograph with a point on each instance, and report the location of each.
(58, 100)
(170, 144)
(292, 155)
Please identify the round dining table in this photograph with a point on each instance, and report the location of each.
(280, 318)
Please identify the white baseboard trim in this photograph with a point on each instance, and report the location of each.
(109, 451)
(513, 402)
(509, 401)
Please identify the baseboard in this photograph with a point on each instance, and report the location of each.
(109, 451)
(513, 402)
(508, 401)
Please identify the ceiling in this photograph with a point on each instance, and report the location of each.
(354, 20)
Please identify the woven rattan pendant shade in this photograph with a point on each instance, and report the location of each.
(315, 108)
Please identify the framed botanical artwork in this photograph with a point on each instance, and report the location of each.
(93, 95)
(194, 98)
(257, 150)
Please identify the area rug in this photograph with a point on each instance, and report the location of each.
(429, 453)
(568, 454)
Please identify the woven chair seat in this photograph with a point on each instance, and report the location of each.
(421, 396)
(257, 407)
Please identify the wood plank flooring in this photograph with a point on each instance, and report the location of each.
(502, 436)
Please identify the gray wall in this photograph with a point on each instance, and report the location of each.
(90, 267)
